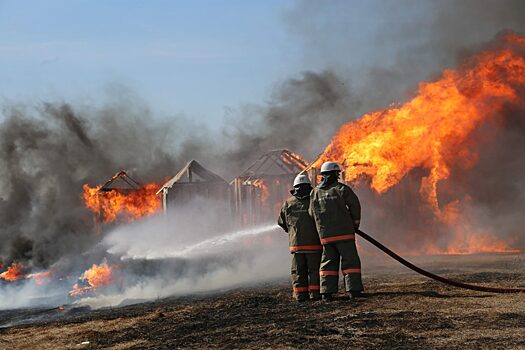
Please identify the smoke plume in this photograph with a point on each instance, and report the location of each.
(383, 49)
(47, 153)
(302, 114)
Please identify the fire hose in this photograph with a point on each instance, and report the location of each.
(436, 277)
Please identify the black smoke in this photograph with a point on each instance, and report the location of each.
(47, 153)
(302, 115)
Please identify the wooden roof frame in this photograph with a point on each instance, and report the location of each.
(193, 167)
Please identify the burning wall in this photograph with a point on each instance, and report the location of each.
(121, 197)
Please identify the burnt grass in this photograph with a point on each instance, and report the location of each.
(403, 310)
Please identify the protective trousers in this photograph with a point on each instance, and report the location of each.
(305, 275)
(342, 253)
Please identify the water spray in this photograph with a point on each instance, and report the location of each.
(207, 244)
(199, 248)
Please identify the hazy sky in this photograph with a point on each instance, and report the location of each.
(194, 57)
(200, 57)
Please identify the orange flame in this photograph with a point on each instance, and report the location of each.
(40, 277)
(95, 277)
(430, 131)
(13, 273)
(129, 205)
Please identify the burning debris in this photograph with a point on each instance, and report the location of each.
(92, 279)
(13, 273)
(17, 272)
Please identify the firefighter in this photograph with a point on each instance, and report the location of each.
(305, 246)
(337, 214)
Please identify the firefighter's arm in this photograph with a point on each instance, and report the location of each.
(353, 205)
(281, 221)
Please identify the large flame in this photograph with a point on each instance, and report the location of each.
(95, 277)
(129, 205)
(432, 130)
(13, 273)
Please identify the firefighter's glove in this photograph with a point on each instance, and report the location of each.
(356, 224)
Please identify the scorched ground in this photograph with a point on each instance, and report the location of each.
(405, 310)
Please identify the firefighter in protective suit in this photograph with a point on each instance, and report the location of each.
(305, 246)
(337, 214)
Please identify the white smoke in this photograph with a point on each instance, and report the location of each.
(193, 251)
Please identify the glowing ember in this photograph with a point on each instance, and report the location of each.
(13, 273)
(129, 205)
(95, 277)
(432, 130)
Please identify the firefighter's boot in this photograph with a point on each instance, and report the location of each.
(327, 297)
(357, 295)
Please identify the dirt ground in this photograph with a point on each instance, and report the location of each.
(404, 310)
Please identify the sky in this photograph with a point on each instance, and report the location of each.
(201, 59)
(190, 57)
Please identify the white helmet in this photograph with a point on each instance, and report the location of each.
(330, 166)
(301, 179)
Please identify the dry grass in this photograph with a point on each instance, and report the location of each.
(403, 311)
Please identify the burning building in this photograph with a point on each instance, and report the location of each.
(259, 191)
(121, 197)
(193, 181)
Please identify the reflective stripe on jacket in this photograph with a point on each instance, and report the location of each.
(335, 209)
(295, 219)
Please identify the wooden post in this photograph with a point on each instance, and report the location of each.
(189, 175)
(165, 200)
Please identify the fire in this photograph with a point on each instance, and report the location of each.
(95, 277)
(13, 273)
(264, 191)
(16, 272)
(432, 130)
(129, 204)
(40, 277)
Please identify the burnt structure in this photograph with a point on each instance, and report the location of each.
(193, 181)
(258, 193)
(122, 183)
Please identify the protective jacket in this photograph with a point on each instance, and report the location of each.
(295, 219)
(335, 209)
